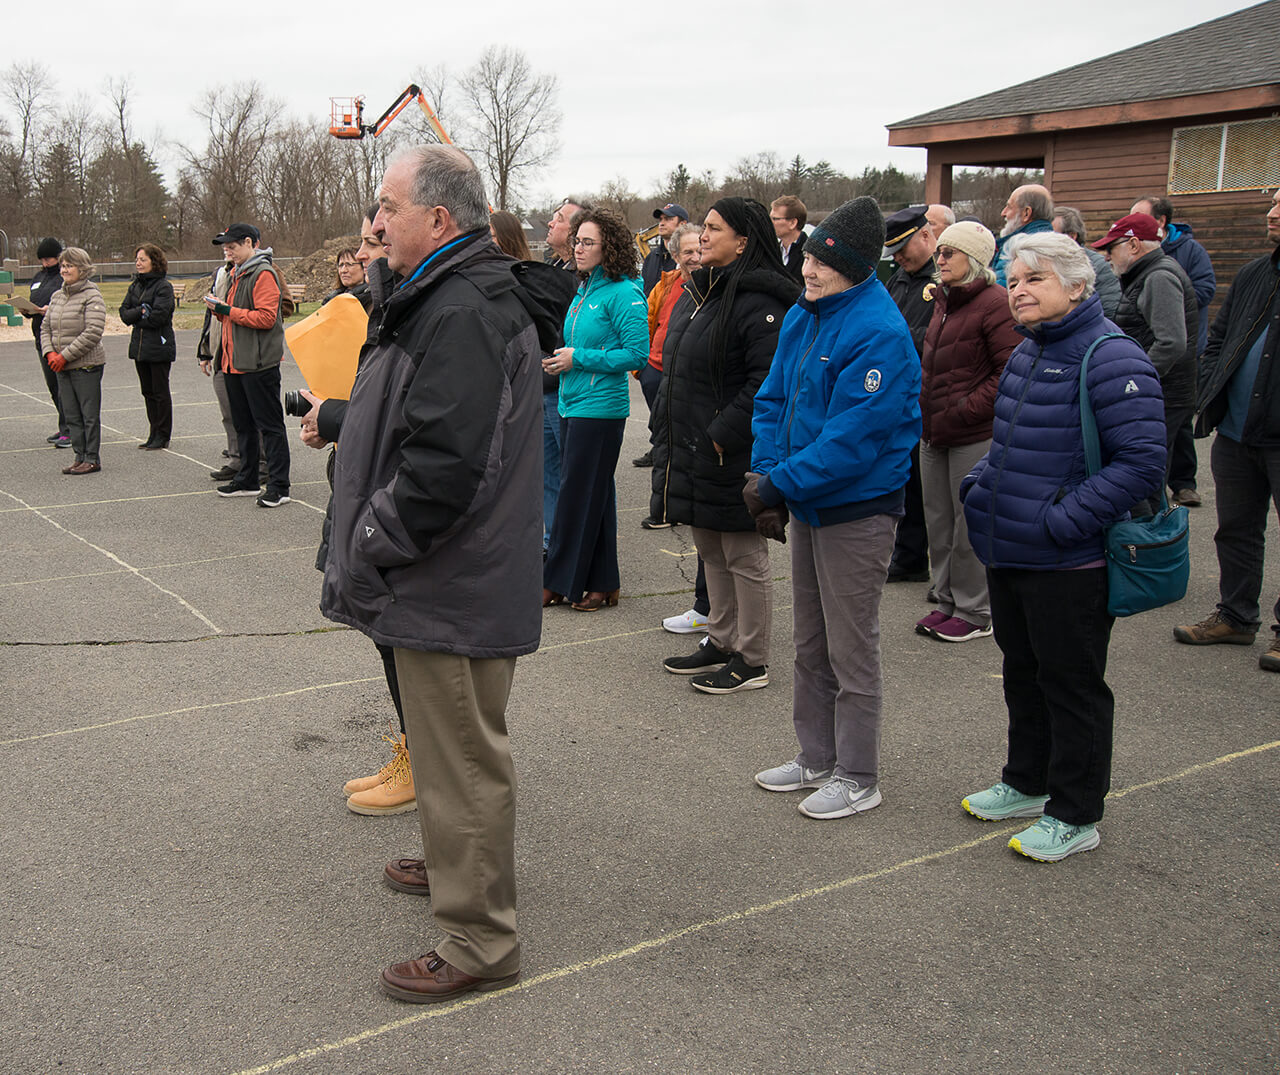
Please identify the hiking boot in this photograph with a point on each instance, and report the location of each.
(364, 783)
(735, 676)
(224, 473)
(840, 797)
(1051, 840)
(1213, 631)
(706, 656)
(645, 460)
(1187, 498)
(792, 776)
(395, 795)
(955, 629)
(1270, 661)
(1000, 801)
(687, 623)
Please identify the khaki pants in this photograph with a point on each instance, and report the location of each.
(741, 592)
(455, 724)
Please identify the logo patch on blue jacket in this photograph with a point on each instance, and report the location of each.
(872, 380)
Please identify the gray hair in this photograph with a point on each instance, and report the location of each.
(1037, 199)
(1072, 223)
(1051, 251)
(975, 270)
(77, 257)
(444, 175)
(673, 240)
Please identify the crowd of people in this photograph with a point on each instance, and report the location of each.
(924, 428)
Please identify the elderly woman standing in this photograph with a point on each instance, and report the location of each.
(148, 306)
(966, 346)
(606, 335)
(71, 339)
(1036, 519)
(835, 422)
(719, 346)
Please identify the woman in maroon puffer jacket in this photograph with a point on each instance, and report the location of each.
(966, 346)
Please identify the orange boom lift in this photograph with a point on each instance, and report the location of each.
(346, 116)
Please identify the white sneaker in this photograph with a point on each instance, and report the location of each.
(687, 623)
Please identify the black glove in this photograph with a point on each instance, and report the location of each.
(772, 523)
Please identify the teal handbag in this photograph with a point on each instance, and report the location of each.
(1148, 558)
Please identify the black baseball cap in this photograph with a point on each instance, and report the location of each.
(237, 233)
(671, 209)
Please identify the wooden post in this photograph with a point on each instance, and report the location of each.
(937, 182)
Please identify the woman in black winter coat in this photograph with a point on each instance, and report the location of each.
(148, 306)
(719, 346)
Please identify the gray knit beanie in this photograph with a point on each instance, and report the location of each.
(850, 239)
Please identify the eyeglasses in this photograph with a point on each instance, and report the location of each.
(945, 252)
(586, 244)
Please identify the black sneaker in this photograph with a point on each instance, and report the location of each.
(236, 489)
(655, 524)
(645, 460)
(706, 656)
(224, 473)
(272, 499)
(737, 675)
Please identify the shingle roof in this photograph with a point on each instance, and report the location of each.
(1232, 52)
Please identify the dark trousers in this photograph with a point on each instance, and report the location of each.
(1182, 458)
(1053, 629)
(1246, 484)
(255, 408)
(1176, 414)
(51, 383)
(583, 554)
(649, 380)
(701, 600)
(81, 393)
(153, 377)
(388, 655)
(911, 546)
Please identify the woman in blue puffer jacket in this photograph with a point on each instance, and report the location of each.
(606, 334)
(1036, 520)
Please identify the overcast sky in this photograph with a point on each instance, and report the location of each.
(704, 84)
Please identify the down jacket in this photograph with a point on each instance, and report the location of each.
(148, 306)
(839, 413)
(437, 484)
(74, 325)
(966, 346)
(698, 406)
(1028, 502)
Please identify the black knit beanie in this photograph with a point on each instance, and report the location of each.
(48, 248)
(850, 239)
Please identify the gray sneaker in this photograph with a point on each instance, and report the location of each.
(840, 797)
(792, 776)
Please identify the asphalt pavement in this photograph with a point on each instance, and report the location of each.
(184, 890)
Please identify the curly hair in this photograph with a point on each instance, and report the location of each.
(618, 251)
(159, 263)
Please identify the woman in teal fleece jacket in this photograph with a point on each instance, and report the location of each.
(606, 334)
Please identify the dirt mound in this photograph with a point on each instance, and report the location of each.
(318, 271)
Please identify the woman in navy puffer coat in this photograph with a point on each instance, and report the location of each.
(1036, 520)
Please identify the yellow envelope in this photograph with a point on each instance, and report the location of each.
(326, 346)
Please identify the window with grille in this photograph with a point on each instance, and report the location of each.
(1226, 156)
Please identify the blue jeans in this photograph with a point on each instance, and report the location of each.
(550, 461)
(1247, 484)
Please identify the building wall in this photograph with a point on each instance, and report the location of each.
(1104, 170)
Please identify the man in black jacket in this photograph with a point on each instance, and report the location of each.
(47, 280)
(910, 241)
(789, 215)
(1239, 396)
(434, 548)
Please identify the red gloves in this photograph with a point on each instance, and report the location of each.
(56, 362)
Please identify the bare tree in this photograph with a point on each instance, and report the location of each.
(514, 118)
(25, 86)
(241, 120)
(118, 91)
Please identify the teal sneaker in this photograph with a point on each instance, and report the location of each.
(1050, 840)
(1000, 801)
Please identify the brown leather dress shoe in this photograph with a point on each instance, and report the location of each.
(430, 980)
(407, 875)
(85, 468)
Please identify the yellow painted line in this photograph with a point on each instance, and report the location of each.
(680, 555)
(188, 709)
(115, 559)
(697, 927)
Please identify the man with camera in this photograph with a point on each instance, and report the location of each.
(251, 348)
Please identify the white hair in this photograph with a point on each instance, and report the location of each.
(1054, 252)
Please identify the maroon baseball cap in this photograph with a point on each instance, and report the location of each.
(1133, 226)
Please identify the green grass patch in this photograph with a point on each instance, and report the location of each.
(190, 315)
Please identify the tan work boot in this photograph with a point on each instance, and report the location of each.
(394, 795)
(365, 783)
(1213, 631)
